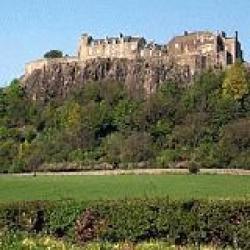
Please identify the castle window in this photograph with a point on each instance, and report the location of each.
(229, 58)
(133, 47)
(90, 51)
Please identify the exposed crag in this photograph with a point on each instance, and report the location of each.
(57, 79)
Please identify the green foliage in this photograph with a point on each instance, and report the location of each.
(241, 161)
(53, 54)
(14, 241)
(62, 219)
(180, 223)
(197, 97)
(122, 114)
(207, 155)
(168, 157)
(136, 147)
(192, 222)
(19, 240)
(112, 147)
(102, 122)
(193, 167)
(235, 84)
(235, 142)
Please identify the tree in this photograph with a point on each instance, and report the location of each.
(235, 140)
(193, 130)
(137, 147)
(73, 116)
(122, 114)
(160, 130)
(112, 92)
(53, 54)
(206, 155)
(8, 152)
(15, 104)
(197, 97)
(237, 134)
(235, 84)
(112, 147)
(3, 105)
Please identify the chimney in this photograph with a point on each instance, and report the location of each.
(236, 35)
(223, 34)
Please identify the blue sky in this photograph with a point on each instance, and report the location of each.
(29, 28)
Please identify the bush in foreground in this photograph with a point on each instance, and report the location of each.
(181, 223)
(193, 167)
(13, 241)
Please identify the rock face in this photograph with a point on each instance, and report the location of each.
(56, 80)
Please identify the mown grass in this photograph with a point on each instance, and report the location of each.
(19, 188)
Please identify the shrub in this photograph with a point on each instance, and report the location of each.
(206, 155)
(53, 54)
(219, 223)
(61, 220)
(170, 157)
(14, 241)
(87, 226)
(25, 216)
(242, 160)
(193, 167)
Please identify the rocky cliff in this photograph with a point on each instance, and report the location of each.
(56, 80)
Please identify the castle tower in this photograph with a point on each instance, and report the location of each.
(83, 47)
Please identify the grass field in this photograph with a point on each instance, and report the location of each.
(13, 188)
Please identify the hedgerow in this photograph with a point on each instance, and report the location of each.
(222, 223)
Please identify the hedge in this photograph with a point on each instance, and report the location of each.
(221, 223)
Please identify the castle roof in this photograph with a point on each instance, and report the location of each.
(190, 36)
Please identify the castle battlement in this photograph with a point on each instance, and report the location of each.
(196, 50)
(44, 62)
(118, 47)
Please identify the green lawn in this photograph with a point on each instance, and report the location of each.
(13, 188)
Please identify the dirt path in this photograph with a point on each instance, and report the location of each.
(139, 172)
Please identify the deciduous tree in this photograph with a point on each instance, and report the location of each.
(235, 84)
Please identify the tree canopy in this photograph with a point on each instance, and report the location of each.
(235, 83)
(102, 123)
(53, 54)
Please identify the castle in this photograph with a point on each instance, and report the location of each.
(119, 47)
(201, 50)
(196, 50)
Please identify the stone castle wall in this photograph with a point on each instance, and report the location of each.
(201, 50)
(117, 47)
(42, 64)
(197, 51)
